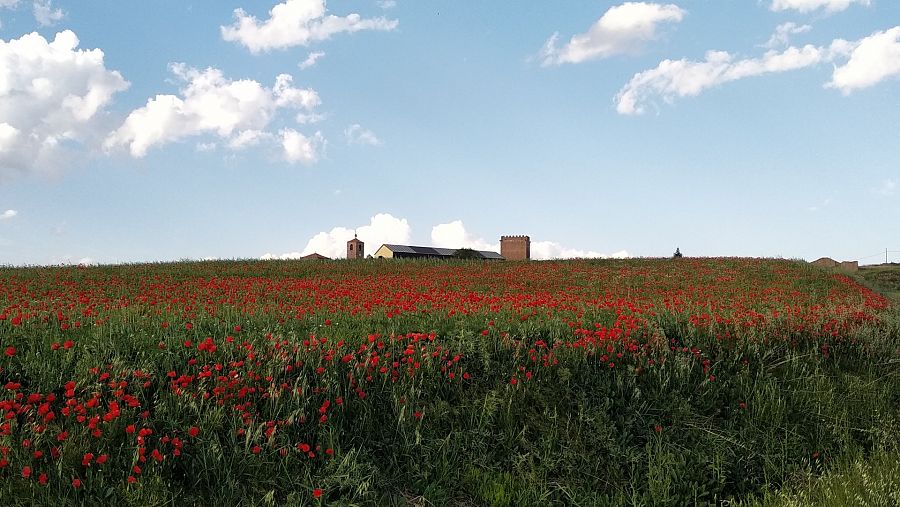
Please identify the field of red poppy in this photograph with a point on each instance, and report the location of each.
(646, 382)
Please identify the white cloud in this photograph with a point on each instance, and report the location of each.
(52, 100)
(247, 138)
(355, 134)
(296, 23)
(9, 4)
(782, 36)
(454, 235)
(385, 228)
(622, 29)
(873, 59)
(869, 61)
(205, 147)
(309, 118)
(311, 59)
(686, 78)
(45, 14)
(209, 103)
(387, 4)
(811, 5)
(70, 260)
(543, 250)
(6, 215)
(299, 148)
(888, 187)
(382, 228)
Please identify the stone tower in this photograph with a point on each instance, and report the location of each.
(356, 249)
(515, 248)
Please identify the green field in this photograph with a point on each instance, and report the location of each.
(885, 278)
(615, 382)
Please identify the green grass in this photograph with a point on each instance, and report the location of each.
(884, 278)
(872, 481)
(778, 415)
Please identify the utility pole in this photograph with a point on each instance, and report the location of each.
(885, 256)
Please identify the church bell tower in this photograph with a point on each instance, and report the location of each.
(356, 248)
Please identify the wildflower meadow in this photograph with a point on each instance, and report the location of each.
(608, 382)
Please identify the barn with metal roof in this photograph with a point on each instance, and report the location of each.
(420, 252)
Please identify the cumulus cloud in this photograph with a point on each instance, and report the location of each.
(247, 138)
(356, 134)
(544, 250)
(382, 228)
(69, 260)
(385, 228)
(311, 59)
(622, 29)
(301, 149)
(296, 23)
(6, 215)
(783, 32)
(454, 235)
(45, 14)
(872, 59)
(52, 100)
(811, 5)
(209, 103)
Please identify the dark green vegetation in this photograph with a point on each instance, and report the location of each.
(885, 278)
(640, 382)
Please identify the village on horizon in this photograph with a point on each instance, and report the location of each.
(512, 248)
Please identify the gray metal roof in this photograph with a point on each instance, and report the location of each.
(487, 254)
(438, 252)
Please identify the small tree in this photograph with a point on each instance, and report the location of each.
(466, 253)
(677, 253)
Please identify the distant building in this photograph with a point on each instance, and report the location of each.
(315, 257)
(515, 248)
(356, 248)
(423, 252)
(825, 262)
(850, 265)
(828, 262)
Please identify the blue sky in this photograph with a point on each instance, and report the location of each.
(165, 130)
